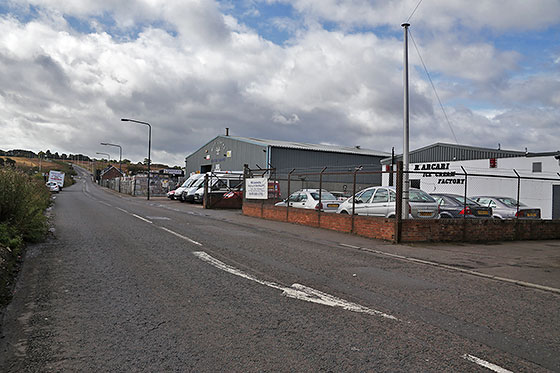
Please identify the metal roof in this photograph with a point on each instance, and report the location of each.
(440, 152)
(311, 147)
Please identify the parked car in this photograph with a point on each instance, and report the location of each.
(381, 201)
(53, 186)
(506, 208)
(341, 196)
(453, 206)
(309, 199)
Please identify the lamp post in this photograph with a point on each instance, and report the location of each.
(120, 159)
(120, 153)
(107, 154)
(149, 146)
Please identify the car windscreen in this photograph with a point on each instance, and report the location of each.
(416, 195)
(324, 196)
(509, 202)
(198, 182)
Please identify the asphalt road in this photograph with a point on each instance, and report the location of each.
(127, 284)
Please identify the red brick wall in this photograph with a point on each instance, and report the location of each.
(441, 230)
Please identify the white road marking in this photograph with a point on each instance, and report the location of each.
(350, 246)
(141, 218)
(123, 210)
(158, 217)
(486, 364)
(453, 268)
(296, 291)
(105, 203)
(181, 236)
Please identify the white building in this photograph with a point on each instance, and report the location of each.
(441, 168)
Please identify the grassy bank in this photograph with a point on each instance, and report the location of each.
(23, 200)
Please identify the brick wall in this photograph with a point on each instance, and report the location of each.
(442, 230)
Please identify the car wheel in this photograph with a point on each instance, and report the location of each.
(344, 212)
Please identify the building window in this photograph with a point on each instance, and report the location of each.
(537, 166)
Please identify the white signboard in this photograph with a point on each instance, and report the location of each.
(256, 188)
(57, 176)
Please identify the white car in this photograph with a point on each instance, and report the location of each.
(53, 186)
(381, 201)
(309, 199)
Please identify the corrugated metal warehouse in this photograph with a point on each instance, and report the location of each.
(441, 152)
(230, 153)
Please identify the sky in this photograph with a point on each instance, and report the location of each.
(315, 71)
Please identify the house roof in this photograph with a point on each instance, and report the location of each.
(108, 168)
(440, 152)
(307, 146)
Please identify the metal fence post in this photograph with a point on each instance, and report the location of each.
(399, 203)
(320, 196)
(518, 192)
(465, 194)
(354, 196)
(288, 195)
(205, 203)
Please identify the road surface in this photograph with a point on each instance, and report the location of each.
(127, 284)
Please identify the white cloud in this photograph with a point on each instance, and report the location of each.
(191, 71)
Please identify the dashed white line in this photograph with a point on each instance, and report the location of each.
(296, 291)
(123, 210)
(106, 204)
(486, 364)
(141, 218)
(181, 236)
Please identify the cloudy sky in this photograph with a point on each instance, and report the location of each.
(317, 71)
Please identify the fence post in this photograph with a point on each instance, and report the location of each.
(465, 194)
(399, 203)
(288, 195)
(465, 206)
(354, 196)
(205, 203)
(320, 196)
(518, 192)
(245, 175)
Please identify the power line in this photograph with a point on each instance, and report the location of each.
(411, 14)
(433, 87)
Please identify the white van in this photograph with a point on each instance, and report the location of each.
(218, 181)
(179, 191)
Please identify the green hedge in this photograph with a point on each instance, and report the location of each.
(23, 201)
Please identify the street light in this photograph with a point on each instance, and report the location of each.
(107, 154)
(120, 153)
(149, 146)
(120, 159)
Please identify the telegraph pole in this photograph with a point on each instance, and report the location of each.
(406, 181)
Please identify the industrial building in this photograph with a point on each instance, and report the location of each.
(440, 168)
(230, 153)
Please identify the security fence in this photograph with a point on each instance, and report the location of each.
(455, 196)
(138, 185)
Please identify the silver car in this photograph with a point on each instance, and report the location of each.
(506, 208)
(309, 199)
(381, 201)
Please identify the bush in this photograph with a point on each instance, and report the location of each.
(23, 201)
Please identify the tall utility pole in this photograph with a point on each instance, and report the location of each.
(406, 180)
